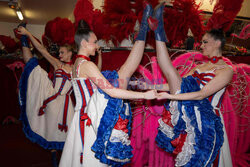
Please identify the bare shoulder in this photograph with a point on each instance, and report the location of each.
(87, 67)
(81, 68)
(224, 68)
(82, 63)
(224, 71)
(192, 71)
(87, 64)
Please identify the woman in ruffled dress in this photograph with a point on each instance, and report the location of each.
(99, 133)
(192, 125)
(46, 106)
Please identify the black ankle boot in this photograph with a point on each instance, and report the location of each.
(148, 11)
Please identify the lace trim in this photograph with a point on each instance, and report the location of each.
(117, 160)
(188, 147)
(173, 109)
(119, 136)
(78, 67)
(167, 130)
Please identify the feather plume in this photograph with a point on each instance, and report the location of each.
(224, 13)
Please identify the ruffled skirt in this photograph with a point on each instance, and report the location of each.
(35, 87)
(105, 141)
(195, 133)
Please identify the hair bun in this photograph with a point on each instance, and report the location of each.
(83, 25)
(220, 30)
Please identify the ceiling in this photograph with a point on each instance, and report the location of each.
(41, 11)
(37, 11)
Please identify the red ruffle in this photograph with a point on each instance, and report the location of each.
(121, 124)
(166, 117)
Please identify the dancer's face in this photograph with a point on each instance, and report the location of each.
(92, 45)
(64, 54)
(209, 45)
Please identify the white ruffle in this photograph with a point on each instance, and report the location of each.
(119, 136)
(164, 128)
(127, 109)
(188, 148)
(173, 108)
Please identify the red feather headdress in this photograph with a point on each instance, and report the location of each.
(9, 43)
(60, 31)
(184, 15)
(224, 13)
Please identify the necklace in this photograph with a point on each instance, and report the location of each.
(214, 59)
(82, 56)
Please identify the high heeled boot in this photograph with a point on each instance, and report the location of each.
(144, 28)
(24, 41)
(156, 23)
(24, 38)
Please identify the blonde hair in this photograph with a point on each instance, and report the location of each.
(69, 48)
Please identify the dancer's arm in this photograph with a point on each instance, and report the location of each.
(222, 78)
(90, 70)
(145, 86)
(53, 61)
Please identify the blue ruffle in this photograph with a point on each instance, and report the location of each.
(163, 141)
(23, 84)
(114, 108)
(211, 126)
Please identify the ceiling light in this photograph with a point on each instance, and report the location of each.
(19, 14)
(12, 4)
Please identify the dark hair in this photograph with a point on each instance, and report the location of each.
(82, 32)
(218, 34)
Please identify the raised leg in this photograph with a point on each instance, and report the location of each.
(172, 75)
(27, 55)
(135, 56)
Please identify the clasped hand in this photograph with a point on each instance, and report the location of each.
(153, 94)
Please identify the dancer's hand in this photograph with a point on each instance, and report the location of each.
(99, 51)
(151, 94)
(22, 31)
(163, 95)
